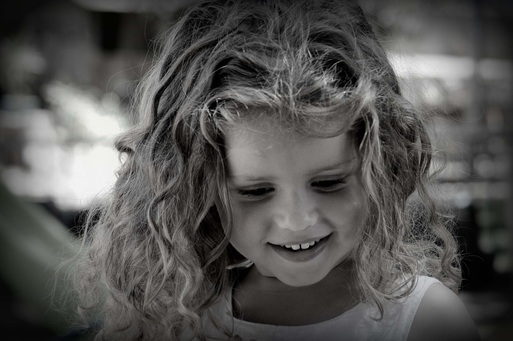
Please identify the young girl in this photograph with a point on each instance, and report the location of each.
(275, 188)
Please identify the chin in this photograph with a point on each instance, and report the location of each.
(301, 281)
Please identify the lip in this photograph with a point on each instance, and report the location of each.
(304, 255)
(304, 241)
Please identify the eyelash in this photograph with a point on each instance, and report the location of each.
(256, 192)
(331, 185)
(326, 186)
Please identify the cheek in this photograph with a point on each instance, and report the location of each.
(247, 222)
(251, 227)
(250, 213)
(346, 209)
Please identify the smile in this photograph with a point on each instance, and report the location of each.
(311, 245)
(301, 252)
(303, 246)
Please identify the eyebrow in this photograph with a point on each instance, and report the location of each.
(249, 178)
(324, 168)
(334, 166)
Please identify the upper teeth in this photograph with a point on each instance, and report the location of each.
(303, 246)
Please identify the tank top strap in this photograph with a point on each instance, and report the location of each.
(399, 315)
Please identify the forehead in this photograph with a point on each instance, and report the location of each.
(261, 147)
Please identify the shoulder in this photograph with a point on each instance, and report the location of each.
(441, 315)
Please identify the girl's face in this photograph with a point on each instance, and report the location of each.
(297, 201)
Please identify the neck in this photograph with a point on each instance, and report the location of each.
(264, 299)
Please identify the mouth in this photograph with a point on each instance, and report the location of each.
(301, 252)
(302, 246)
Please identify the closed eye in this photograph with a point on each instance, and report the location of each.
(330, 185)
(255, 193)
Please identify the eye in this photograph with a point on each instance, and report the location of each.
(255, 193)
(330, 185)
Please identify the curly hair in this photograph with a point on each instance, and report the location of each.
(156, 255)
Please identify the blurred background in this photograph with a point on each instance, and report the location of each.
(67, 73)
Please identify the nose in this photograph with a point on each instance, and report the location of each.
(296, 211)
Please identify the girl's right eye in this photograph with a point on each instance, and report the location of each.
(255, 193)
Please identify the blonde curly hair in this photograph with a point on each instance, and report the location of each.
(155, 256)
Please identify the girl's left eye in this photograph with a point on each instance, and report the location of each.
(330, 185)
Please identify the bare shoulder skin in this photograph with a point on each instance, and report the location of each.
(442, 316)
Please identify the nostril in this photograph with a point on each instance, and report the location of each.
(296, 222)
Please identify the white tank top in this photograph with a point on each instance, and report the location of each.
(354, 324)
